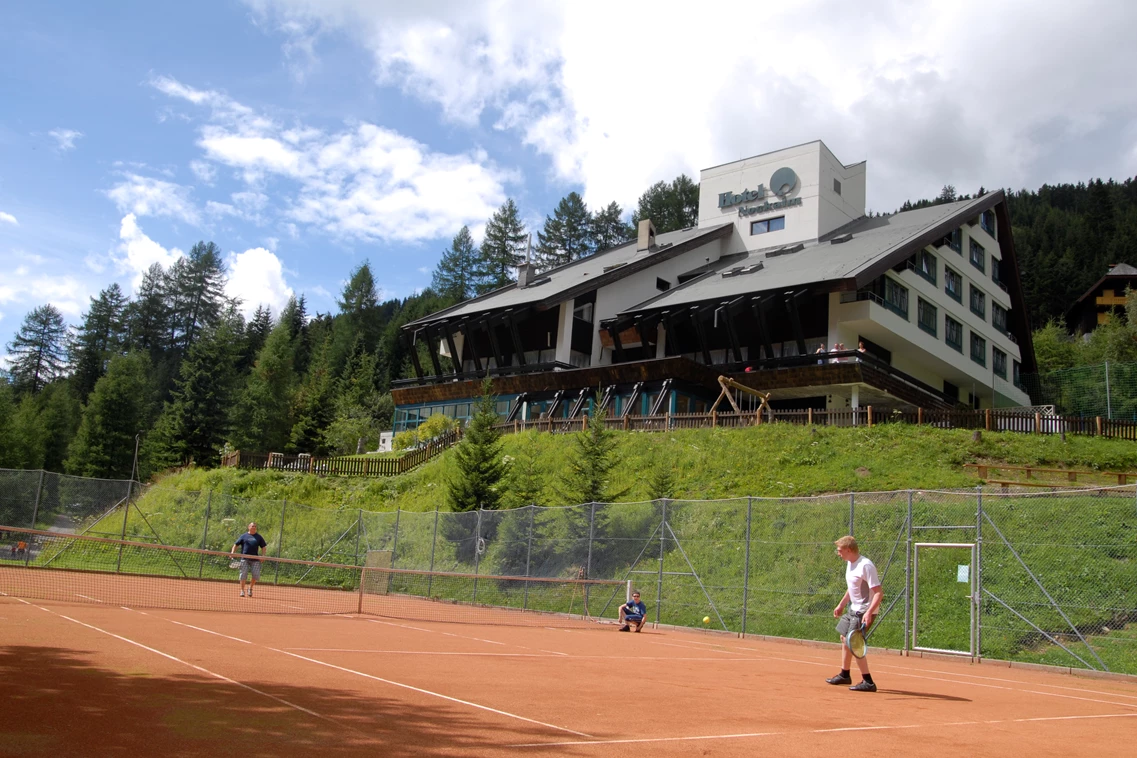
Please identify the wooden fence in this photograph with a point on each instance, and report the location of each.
(343, 465)
(988, 420)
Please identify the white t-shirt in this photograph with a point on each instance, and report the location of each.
(861, 578)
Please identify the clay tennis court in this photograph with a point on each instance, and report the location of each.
(96, 678)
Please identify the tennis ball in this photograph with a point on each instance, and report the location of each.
(706, 619)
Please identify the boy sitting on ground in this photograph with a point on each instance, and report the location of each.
(632, 612)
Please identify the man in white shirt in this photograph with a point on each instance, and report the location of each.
(863, 598)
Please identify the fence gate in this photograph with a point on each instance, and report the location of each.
(944, 597)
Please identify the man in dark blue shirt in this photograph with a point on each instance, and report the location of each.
(251, 544)
(633, 612)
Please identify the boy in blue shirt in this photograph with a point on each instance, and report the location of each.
(633, 612)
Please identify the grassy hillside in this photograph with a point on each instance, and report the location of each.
(1077, 546)
(768, 461)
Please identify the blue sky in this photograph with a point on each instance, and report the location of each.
(304, 136)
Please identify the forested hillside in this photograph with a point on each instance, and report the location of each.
(179, 367)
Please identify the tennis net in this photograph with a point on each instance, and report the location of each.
(63, 567)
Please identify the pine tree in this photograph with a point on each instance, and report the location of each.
(28, 441)
(454, 277)
(670, 206)
(36, 354)
(196, 293)
(478, 459)
(102, 336)
(7, 436)
(148, 315)
(609, 229)
(503, 248)
(256, 331)
(59, 419)
(120, 407)
(262, 418)
(315, 404)
(592, 462)
(295, 312)
(195, 423)
(567, 235)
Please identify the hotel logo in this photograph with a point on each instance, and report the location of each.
(782, 183)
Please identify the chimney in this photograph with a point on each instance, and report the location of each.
(646, 237)
(525, 270)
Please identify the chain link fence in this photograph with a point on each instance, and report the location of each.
(1107, 389)
(1047, 577)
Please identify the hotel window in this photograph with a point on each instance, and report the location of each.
(997, 271)
(954, 240)
(776, 224)
(953, 333)
(951, 390)
(953, 284)
(1017, 376)
(837, 186)
(999, 317)
(978, 349)
(999, 362)
(895, 297)
(978, 302)
(978, 256)
(987, 221)
(926, 316)
(925, 265)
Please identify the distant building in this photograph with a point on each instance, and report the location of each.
(1102, 300)
(782, 261)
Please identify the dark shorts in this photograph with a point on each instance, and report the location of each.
(850, 621)
(633, 617)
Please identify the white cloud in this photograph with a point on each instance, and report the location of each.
(363, 182)
(8, 218)
(137, 252)
(204, 171)
(65, 138)
(145, 196)
(256, 277)
(28, 286)
(961, 92)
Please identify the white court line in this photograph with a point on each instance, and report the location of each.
(462, 636)
(645, 740)
(398, 684)
(427, 692)
(192, 666)
(88, 597)
(908, 673)
(554, 656)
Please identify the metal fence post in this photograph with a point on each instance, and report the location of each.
(39, 493)
(205, 533)
(528, 555)
(591, 526)
(662, 537)
(433, 543)
(908, 577)
(852, 508)
(746, 566)
(125, 513)
(1108, 405)
(358, 530)
(477, 552)
(395, 543)
(978, 600)
(280, 541)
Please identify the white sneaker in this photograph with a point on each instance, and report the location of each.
(242, 594)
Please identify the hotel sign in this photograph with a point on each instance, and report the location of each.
(782, 183)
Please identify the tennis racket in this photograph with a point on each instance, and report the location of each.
(234, 564)
(855, 641)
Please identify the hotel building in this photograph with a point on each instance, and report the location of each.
(783, 262)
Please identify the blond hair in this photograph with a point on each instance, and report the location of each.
(847, 542)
